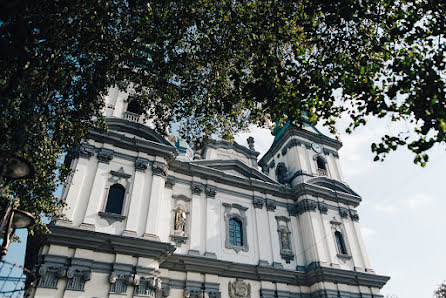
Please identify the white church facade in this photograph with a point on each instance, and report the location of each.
(146, 219)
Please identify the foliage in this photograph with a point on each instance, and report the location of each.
(215, 67)
(441, 291)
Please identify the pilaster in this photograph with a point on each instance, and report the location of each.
(159, 170)
(197, 220)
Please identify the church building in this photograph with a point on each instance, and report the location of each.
(147, 217)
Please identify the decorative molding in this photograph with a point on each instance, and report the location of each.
(270, 205)
(49, 276)
(149, 286)
(239, 289)
(84, 150)
(323, 207)
(141, 164)
(343, 212)
(306, 205)
(179, 239)
(170, 182)
(236, 206)
(292, 209)
(258, 202)
(120, 174)
(197, 189)
(159, 169)
(77, 278)
(210, 191)
(282, 218)
(111, 217)
(354, 215)
(105, 155)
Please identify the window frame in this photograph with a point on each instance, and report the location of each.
(238, 212)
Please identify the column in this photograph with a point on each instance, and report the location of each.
(196, 220)
(97, 195)
(159, 170)
(136, 198)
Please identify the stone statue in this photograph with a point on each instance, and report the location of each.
(281, 173)
(285, 240)
(250, 141)
(239, 289)
(180, 220)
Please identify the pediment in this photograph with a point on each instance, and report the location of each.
(135, 129)
(235, 168)
(331, 184)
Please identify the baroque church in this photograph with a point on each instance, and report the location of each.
(147, 217)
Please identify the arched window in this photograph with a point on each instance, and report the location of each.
(235, 232)
(115, 199)
(340, 243)
(134, 107)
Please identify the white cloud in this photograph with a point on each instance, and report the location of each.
(385, 207)
(419, 200)
(368, 233)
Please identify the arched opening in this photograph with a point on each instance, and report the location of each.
(235, 232)
(115, 199)
(342, 249)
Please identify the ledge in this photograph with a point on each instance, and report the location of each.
(111, 217)
(108, 243)
(344, 256)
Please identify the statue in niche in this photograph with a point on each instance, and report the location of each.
(284, 239)
(180, 220)
(281, 173)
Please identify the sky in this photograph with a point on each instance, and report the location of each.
(402, 214)
(403, 209)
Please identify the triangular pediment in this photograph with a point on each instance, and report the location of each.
(235, 168)
(331, 184)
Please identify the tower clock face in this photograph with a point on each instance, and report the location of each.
(316, 147)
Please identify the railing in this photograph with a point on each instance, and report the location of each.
(132, 116)
(321, 172)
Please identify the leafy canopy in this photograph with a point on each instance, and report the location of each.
(216, 67)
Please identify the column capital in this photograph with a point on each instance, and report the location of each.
(159, 169)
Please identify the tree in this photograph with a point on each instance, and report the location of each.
(215, 66)
(441, 291)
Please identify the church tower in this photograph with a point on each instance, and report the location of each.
(144, 218)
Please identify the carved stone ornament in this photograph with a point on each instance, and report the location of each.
(84, 151)
(292, 209)
(258, 202)
(159, 169)
(105, 155)
(170, 182)
(210, 191)
(270, 205)
(141, 164)
(250, 141)
(197, 189)
(239, 289)
(343, 212)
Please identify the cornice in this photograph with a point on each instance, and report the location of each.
(121, 141)
(108, 243)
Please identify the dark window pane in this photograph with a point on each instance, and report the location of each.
(321, 163)
(115, 199)
(340, 243)
(235, 234)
